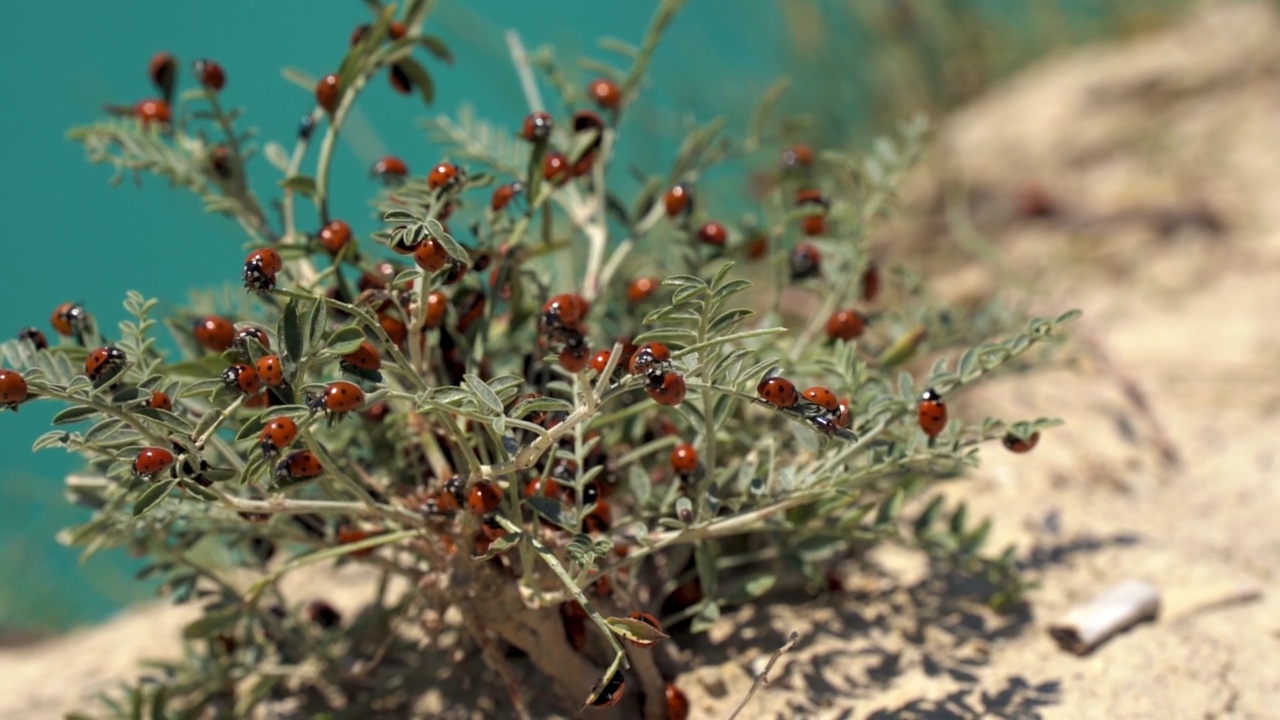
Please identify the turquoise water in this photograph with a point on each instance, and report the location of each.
(71, 236)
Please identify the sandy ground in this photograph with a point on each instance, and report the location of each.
(1161, 157)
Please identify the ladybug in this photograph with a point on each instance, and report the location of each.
(437, 304)
(678, 200)
(214, 333)
(13, 388)
(574, 619)
(544, 486)
(641, 289)
(555, 168)
(103, 363)
(305, 127)
(713, 233)
(454, 273)
(431, 255)
(395, 328)
(612, 692)
(599, 361)
(843, 415)
(153, 111)
(813, 224)
(243, 378)
(249, 332)
(69, 319)
(335, 235)
(377, 412)
(605, 93)
(483, 498)
(676, 701)
(504, 194)
(778, 392)
(823, 398)
(845, 325)
(397, 30)
(160, 401)
(339, 397)
(757, 246)
(300, 464)
(163, 70)
(277, 435)
(443, 175)
(399, 79)
(221, 162)
(35, 337)
(390, 168)
(684, 459)
(870, 282)
(806, 262)
(666, 388)
(931, 413)
(347, 535)
(575, 355)
(322, 613)
(649, 358)
(584, 164)
(563, 312)
(364, 357)
(260, 269)
(585, 121)
(649, 620)
(211, 75)
(597, 521)
(536, 127)
(151, 461)
(797, 156)
(1012, 442)
(491, 531)
(328, 93)
(270, 370)
(475, 304)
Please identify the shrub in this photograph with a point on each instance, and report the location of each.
(580, 425)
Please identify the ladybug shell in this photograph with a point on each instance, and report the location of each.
(270, 370)
(823, 398)
(160, 401)
(844, 325)
(242, 377)
(684, 459)
(341, 397)
(66, 317)
(713, 233)
(1015, 444)
(677, 703)
(483, 498)
(612, 692)
(151, 461)
(215, 333)
(103, 362)
(778, 392)
(442, 175)
(649, 356)
(13, 387)
(536, 127)
(277, 435)
(565, 311)
(678, 200)
(931, 413)
(364, 357)
(669, 389)
(300, 464)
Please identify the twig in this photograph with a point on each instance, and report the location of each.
(520, 59)
(1120, 608)
(763, 677)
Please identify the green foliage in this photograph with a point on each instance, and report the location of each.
(563, 475)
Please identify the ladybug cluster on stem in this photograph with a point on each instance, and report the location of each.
(818, 405)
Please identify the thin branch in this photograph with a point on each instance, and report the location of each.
(763, 677)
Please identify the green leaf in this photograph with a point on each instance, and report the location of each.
(767, 103)
(704, 557)
(550, 509)
(706, 617)
(927, 518)
(73, 415)
(727, 320)
(485, 394)
(890, 507)
(291, 330)
(958, 519)
(636, 631)
(301, 184)
(152, 496)
(212, 622)
(345, 340)
(1068, 316)
(729, 289)
(420, 78)
(436, 47)
(752, 587)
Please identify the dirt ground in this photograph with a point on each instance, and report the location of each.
(1160, 161)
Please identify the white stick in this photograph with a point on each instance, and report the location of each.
(1115, 610)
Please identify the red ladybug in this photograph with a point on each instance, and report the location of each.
(347, 535)
(334, 236)
(757, 246)
(260, 269)
(566, 311)
(684, 459)
(243, 378)
(1015, 444)
(597, 521)
(797, 156)
(483, 498)
(339, 397)
(677, 703)
(394, 327)
(575, 355)
(612, 692)
(574, 619)
(778, 392)
(504, 194)
(390, 168)
(160, 401)
(437, 304)
(641, 289)
(845, 325)
(328, 93)
(163, 70)
(678, 200)
(35, 337)
(605, 93)
(249, 332)
(277, 435)
(214, 333)
(365, 357)
(536, 127)
(666, 388)
(299, 464)
(431, 255)
(323, 614)
(713, 233)
(13, 388)
(823, 398)
(844, 415)
(153, 111)
(586, 121)
(931, 413)
(599, 361)
(443, 175)
(270, 370)
(221, 161)
(555, 168)
(806, 262)
(151, 461)
(211, 75)
(68, 319)
(400, 80)
(870, 282)
(813, 224)
(650, 357)
(103, 363)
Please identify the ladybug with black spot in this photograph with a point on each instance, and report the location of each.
(13, 389)
(564, 313)
(1015, 444)
(35, 337)
(778, 392)
(365, 358)
(152, 460)
(104, 363)
(242, 377)
(483, 498)
(338, 399)
(69, 320)
(650, 358)
(249, 332)
(270, 370)
(278, 434)
(821, 401)
(666, 388)
(805, 261)
(931, 413)
(390, 169)
(612, 691)
(684, 459)
(214, 333)
(444, 176)
(299, 465)
(576, 353)
(260, 269)
(504, 194)
(160, 401)
(537, 127)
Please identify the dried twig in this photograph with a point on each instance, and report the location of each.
(1115, 610)
(763, 677)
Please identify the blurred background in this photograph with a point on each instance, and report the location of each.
(859, 66)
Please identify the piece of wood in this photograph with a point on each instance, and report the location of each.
(1120, 608)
